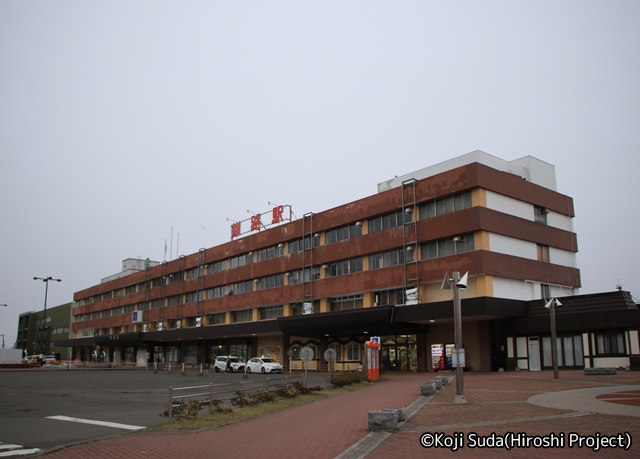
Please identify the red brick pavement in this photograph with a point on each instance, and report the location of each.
(497, 404)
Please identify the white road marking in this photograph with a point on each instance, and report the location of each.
(7, 446)
(19, 452)
(96, 423)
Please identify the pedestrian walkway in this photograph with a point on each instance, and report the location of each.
(531, 405)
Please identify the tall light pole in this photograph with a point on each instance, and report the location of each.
(43, 335)
(458, 353)
(3, 335)
(551, 306)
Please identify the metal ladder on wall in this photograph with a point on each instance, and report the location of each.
(200, 284)
(410, 236)
(163, 287)
(307, 258)
(181, 261)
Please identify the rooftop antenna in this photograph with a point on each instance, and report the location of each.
(618, 286)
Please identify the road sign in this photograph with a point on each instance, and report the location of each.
(375, 339)
(330, 355)
(290, 353)
(306, 354)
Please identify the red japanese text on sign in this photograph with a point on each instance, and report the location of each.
(235, 230)
(255, 223)
(277, 214)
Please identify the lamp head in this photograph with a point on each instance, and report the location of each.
(462, 283)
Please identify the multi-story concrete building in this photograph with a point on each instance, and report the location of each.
(333, 279)
(57, 324)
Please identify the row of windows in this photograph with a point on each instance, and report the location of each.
(382, 222)
(435, 249)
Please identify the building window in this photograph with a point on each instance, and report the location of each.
(343, 233)
(386, 297)
(216, 292)
(610, 343)
(271, 252)
(271, 312)
(297, 309)
(175, 277)
(217, 318)
(217, 266)
(387, 221)
(192, 297)
(446, 247)
(174, 300)
(344, 267)
(156, 304)
(276, 280)
(240, 287)
(143, 286)
(130, 289)
(157, 282)
(445, 205)
(242, 260)
(243, 315)
(353, 352)
(129, 309)
(540, 214)
(545, 291)
(296, 351)
(295, 277)
(338, 348)
(345, 303)
(297, 245)
(386, 259)
(543, 253)
(194, 273)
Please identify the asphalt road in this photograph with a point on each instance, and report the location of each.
(28, 398)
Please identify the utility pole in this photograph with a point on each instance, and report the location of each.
(43, 333)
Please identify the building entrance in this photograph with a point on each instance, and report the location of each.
(398, 353)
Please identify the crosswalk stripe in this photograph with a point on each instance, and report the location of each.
(96, 423)
(19, 452)
(7, 446)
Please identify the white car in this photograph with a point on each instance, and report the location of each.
(221, 364)
(263, 365)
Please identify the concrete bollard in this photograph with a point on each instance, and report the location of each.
(400, 411)
(600, 371)
(428, 388)
(438, 383)
(444, 379)
(383, 420)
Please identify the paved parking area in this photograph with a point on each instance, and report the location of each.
(34, 403)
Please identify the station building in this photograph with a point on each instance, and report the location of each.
(371, 267)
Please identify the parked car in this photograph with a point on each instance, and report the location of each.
(263, 365)
(221, 364)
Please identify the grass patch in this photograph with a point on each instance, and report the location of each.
(211, 421)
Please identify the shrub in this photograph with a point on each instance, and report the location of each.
(345, 379)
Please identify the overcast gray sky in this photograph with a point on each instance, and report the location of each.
(120, 120)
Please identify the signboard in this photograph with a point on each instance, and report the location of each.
(275, 352)
(260, 221)
(375, 339)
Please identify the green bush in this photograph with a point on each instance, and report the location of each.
(345, 379)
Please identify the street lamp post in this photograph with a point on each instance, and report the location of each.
(551, 306)
(43, 335)
(458, 352)
(3, 335)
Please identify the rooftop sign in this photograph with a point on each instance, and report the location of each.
(260, 221)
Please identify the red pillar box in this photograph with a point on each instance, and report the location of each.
(373, 359)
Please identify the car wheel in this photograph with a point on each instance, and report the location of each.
(217, 369)
(248, 370)
(263, 371)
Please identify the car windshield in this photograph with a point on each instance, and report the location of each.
(268, 360)
(234, 359)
